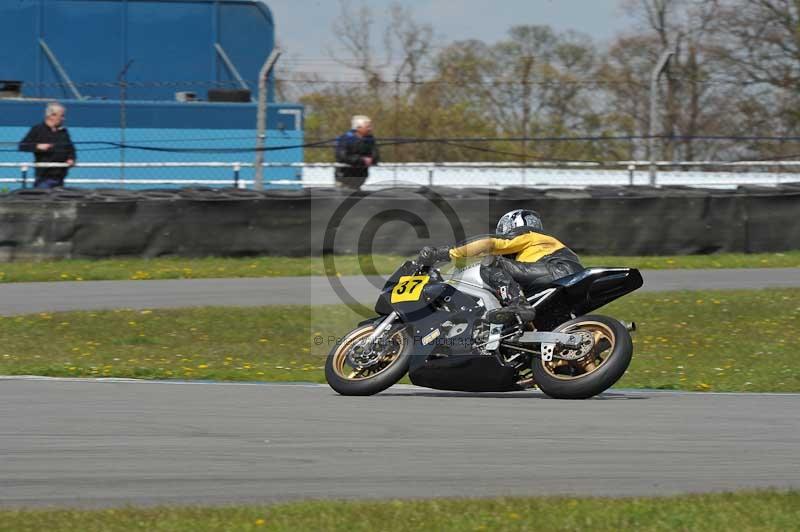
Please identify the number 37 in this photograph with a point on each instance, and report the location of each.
(409, 288)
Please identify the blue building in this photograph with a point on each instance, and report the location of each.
(172, 80)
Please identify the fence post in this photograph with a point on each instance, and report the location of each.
(237, 167)
(631, 170)
(24, 169)
(430, 176)
(123, 118)
(261, 117)
(654, 75)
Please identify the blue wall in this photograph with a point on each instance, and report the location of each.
(94, 128)
(235, 139)
(153, 114)
(171, 44)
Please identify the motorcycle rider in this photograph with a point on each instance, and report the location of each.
(538, 258)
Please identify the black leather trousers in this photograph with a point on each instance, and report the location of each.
(512, 279)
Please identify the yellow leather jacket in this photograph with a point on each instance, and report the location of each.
(529, 246)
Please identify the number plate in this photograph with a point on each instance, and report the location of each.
(409, 288)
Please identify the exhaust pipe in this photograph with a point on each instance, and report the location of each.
(631, 326)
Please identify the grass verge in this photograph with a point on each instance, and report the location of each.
(763, 511)
(720, 341)
(207, 268)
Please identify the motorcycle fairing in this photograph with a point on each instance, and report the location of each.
(465, 373)
(593, 288)
(453, 362)
(384, 305)
(446, 361)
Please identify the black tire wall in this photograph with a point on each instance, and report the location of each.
(73, 223)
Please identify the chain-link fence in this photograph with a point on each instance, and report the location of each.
(453, 175)
(124, 140)
(120, 140)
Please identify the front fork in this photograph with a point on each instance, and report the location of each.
(381, 329)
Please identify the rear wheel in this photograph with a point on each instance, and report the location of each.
(598, 364)
(355, 368)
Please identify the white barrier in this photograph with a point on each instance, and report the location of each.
(461, 174)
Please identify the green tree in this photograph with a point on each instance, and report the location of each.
(533, 83)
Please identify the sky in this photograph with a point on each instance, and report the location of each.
(304, 27)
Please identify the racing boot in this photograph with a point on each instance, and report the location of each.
(508, 315)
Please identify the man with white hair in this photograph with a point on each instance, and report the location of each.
(50, 143)
(358, 150)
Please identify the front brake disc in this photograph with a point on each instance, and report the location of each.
(360, 356)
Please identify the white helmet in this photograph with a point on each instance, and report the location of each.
(519, 218)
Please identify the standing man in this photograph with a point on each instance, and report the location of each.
(358, 150)
(50, 143)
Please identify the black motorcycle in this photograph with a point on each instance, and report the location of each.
(435, 329)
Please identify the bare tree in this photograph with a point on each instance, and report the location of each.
(415, 42)
(530, 83)
(694, 100)
(758, 41)
(761, 40)
(403, 37)
(353, 30)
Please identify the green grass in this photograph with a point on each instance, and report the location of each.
(184, 268)
(269, 343)
(720, 341)
(789, 259)
(762, 511)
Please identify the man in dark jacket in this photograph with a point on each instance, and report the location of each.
(358, 150)
(50, 143)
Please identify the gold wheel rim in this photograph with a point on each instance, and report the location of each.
(344, 370)
(604, 343)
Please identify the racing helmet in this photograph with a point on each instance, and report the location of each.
(519, 218)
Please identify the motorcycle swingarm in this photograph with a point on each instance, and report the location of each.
(570, 341)
(549, 341)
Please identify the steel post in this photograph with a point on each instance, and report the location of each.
(654, 76)
(261, 120)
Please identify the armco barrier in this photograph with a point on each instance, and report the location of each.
(36, 224)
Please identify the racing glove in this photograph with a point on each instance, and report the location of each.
(428, 256)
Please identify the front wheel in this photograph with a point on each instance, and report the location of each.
(354, 368)
(597, 365)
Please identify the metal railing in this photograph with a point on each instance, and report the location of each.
(538, 174)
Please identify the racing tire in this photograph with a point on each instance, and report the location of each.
(599, 379)
(382, 378)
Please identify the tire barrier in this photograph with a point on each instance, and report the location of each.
(80, 223)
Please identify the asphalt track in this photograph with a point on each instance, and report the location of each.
(95, 443)
(23, 298)
(113, 443)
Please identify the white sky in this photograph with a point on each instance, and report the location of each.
(304, 27)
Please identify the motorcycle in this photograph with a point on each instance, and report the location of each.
(434, 328)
